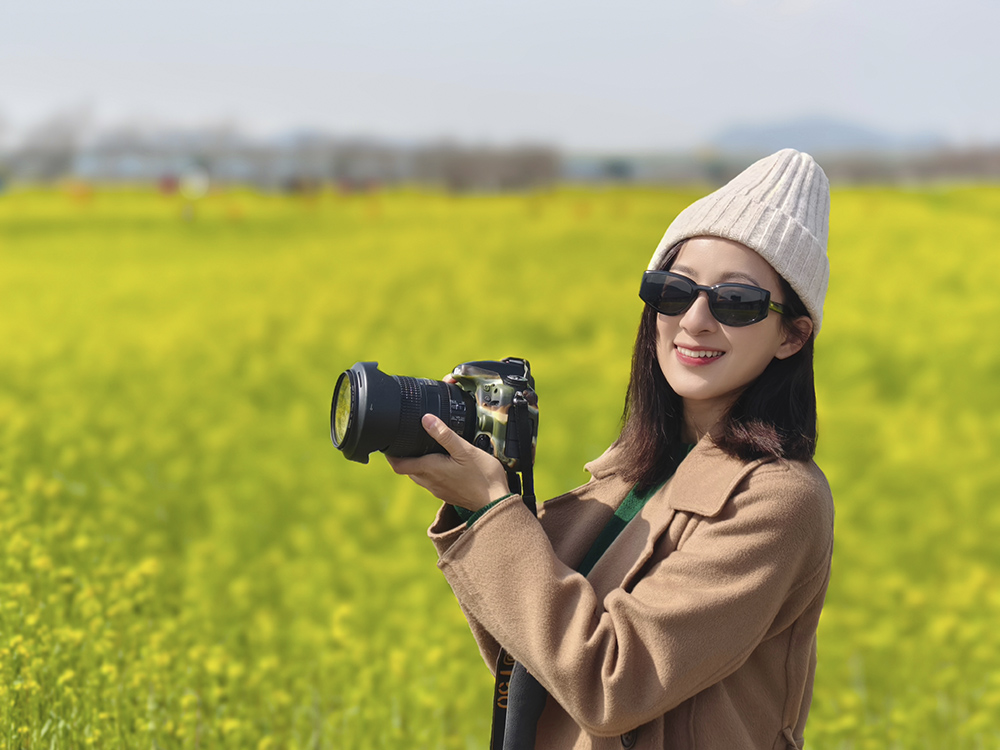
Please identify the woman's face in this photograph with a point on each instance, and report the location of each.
(706, 363)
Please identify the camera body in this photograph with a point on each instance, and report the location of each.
(485, 405)
(494, 386)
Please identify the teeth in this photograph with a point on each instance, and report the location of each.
(703, 354)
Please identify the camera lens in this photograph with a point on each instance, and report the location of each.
(343, 405)
(372, 411)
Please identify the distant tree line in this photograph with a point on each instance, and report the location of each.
(61, 147)
(293, 163)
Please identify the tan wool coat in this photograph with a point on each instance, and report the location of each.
(697, 627)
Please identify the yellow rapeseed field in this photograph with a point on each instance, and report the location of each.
(186, 561)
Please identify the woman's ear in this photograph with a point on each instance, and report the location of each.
(796, 338)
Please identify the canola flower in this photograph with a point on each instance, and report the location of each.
(186, 562)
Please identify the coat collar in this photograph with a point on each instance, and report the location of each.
(702, 484)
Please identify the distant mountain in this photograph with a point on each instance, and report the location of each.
(819, 135)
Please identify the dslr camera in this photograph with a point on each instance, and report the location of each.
(492, 405)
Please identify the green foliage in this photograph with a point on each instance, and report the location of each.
(186, 561)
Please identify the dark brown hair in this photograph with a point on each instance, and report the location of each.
(774, 416)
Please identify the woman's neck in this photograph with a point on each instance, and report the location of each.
(701, 416)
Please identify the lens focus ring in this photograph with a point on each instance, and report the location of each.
(410, 402)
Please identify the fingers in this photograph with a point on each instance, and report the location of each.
(464, 476)
(417, 465)
(446, 438)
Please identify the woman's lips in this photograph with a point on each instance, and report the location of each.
(697, 357)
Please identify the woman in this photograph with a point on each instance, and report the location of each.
(696, 628)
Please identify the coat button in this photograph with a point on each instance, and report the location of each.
(628, 739)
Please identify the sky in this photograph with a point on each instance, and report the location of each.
(631, 75)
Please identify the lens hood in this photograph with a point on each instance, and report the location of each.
(373, 410)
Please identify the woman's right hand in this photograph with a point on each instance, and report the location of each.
(464, 476)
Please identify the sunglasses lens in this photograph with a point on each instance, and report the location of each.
(739, 306)
(732, 304)
(676, 296)
(667, 294)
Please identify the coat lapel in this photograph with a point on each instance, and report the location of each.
(706, 479)
(572, 521)
(701, 486)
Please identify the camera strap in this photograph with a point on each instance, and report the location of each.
(525, 450)
(518, 698)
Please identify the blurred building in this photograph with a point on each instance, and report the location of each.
(302, 162)
(293, 162)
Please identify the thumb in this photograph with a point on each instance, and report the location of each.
(446, 438)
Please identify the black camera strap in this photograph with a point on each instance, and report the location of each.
(525, 450)
(518, 698)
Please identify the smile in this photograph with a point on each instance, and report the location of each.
(699, 353)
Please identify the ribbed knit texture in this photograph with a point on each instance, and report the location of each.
(779, 207)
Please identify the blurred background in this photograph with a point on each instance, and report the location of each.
(210, 210)
(477, 97)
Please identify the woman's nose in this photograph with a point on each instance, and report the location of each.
(698, 318)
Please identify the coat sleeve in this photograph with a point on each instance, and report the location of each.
(694, 616)
(448, 527)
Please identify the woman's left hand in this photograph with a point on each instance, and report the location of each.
(465, 476)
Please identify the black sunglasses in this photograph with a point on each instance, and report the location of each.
(731, 304)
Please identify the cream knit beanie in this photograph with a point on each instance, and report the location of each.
(778, 206)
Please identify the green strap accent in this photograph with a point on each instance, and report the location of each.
(630, 506)
(628, 510)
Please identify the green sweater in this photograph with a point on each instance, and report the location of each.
(629, 508)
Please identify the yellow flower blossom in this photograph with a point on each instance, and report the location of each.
(189, 701)
(184, 562)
